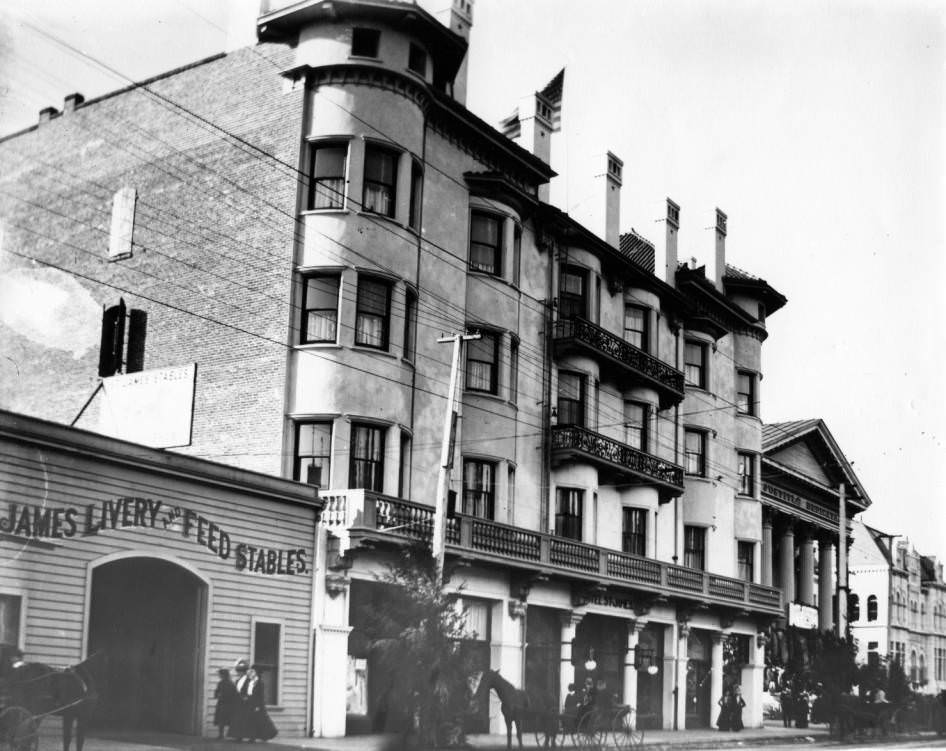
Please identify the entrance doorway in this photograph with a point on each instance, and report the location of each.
(698, 680)
(147, 617)
(649, 661)
(543, 657)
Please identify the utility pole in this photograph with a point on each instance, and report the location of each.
(841, 622)
(438, 542)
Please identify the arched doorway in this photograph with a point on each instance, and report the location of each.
(147, 617)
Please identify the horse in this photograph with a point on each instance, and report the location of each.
(42, 690)
(515, 705)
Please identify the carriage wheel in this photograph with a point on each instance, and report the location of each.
(623, 732)
(590, 734)
(19, 730)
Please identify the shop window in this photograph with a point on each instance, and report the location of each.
(571, 398)
(479, 488)
(572, 293)
(569, 504)
(635, 326)
(266, 640)
(695, 450)
(746, 471)
(635, 425)
(373, 308)
(486, 232)
(417, 193)
(745, 560)
(745, 393)
(327, 176)
(367, 457)
(634, 531)
(694, 547)
(482, 358)
(872, 608)
(694, 360)
(380, 180)
(10, 611)
(410, 323)
(365, 42)
(313, 458)
(417, 59)
(320, 308)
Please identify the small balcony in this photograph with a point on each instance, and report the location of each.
(619, 358)
(359, 517)
(621, 463)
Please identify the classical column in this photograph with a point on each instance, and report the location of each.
(767, 550)
(753, 683)
(634, 629)
(716, 675)
(506, 651)
(566, 675)
(806, 569)
(825, 582)
(683, 633)
(787, 566)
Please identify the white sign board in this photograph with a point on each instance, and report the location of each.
(153, 407)
(802, 616)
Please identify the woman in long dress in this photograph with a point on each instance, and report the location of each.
(735, 714)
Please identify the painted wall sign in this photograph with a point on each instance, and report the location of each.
(802, 616)
(131, 512)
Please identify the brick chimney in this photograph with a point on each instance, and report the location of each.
(72, 101)
(459, 19)
(720, 248)
(47, 113)
(670, 248)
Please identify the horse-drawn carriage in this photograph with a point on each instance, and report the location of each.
(31, 691)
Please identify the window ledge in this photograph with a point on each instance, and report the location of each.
(486, 275)
(747, 416)
(318, 345)
(384, 217)
(374, 351)
(365, 58)
(120, 257)
(319, 212)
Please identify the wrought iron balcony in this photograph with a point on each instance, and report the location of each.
(357, 516)
(617, 354)
(629, 464)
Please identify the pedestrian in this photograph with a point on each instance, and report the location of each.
(788, 708)
(261, 726)
(226, 696)
(240, 719)
(724, 721)
(735, 715)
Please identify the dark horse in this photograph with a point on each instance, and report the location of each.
(42, 690)
(516, 705)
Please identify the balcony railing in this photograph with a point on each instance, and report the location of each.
(363, 514)
(618, 456)
(667, 380)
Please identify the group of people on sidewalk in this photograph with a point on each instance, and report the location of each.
(241, 709)
(730, 709)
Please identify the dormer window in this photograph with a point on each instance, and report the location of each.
(365, 42)
(417, 60)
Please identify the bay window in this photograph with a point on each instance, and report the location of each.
(372, 312)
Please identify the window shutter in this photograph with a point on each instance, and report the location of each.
(137, 329)
(123, 223)
(113, 337)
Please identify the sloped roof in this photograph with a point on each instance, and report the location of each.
(639, 249)
(736, 279)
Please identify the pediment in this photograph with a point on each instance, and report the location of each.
(800, 457)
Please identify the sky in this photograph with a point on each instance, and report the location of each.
(819, 128)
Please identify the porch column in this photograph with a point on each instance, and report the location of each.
(753, 682)
(767, 551)
(634, 629)
(716, 675)
(506, 652)
(566, 675)
(806, 569)
(825, 582)
(787, 566)
(683, 633)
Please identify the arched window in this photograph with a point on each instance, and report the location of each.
(872, 608)
(854, 608)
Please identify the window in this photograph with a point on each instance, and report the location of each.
(568, 512)
(695, 448)
(694, 547)
(745, 393)
(481, 358)
(367, 457)
(410, 323)
(634, 531)
(694, 358)
(364, 42)
(745, 557)
(572, 293)
(873, 658)
(404, 475)
(635, 425)
(516, 254)
(417, 188)
(514, 371)
(571, 398)
(854, 608)
(266, 658)
(380, 180)
(10, 607)
(872, 608)
(313, 453)
(479, 488)
(417, 59)
(746, 470)
(635, 326)
(320, 309)
(371, 319)
(327, 171)
(486, 243)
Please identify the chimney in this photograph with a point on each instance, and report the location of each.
(459, 19)
(606, 218)
(72, 101)
(535, 131)
(720, 248)
(670, 247)
(47, 113)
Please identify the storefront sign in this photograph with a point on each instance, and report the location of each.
(44, 523)
(606, 600)
(802, 616)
